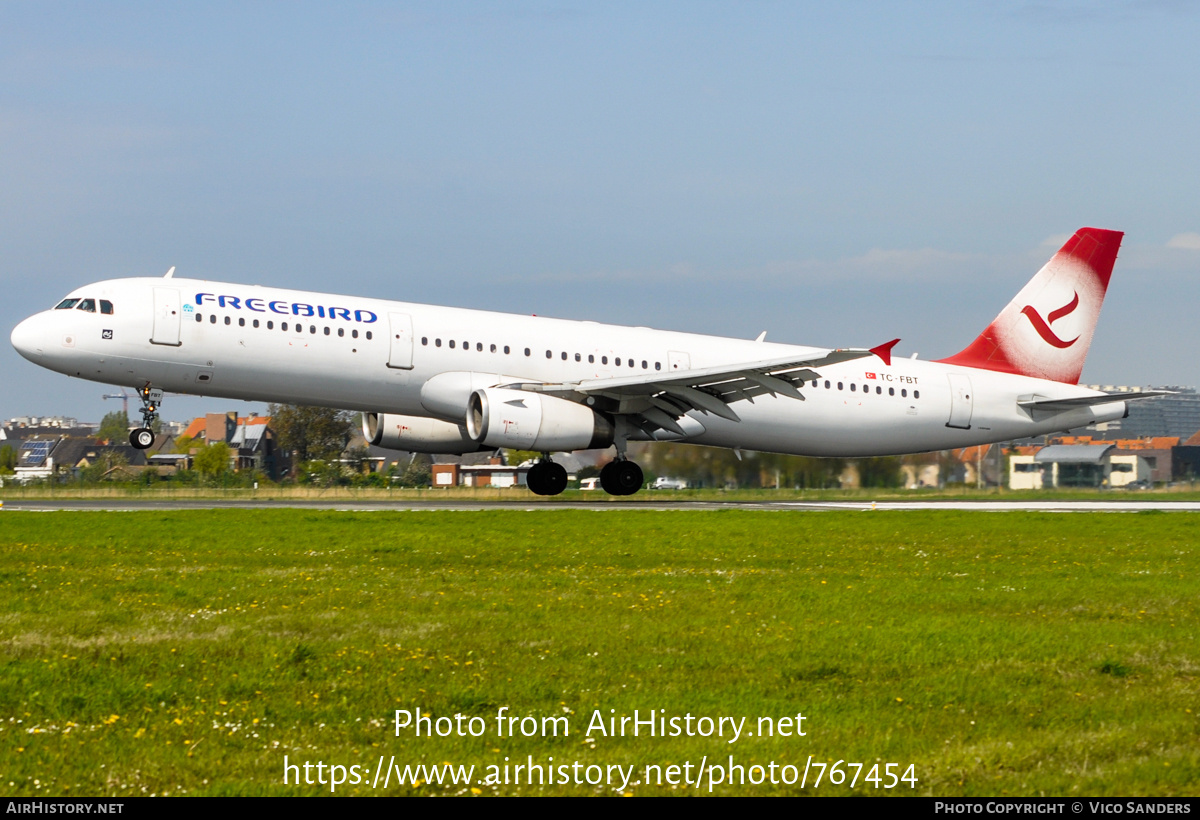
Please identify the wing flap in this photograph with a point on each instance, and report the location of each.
(657, 400)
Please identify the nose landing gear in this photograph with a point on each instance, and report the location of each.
(143, 436)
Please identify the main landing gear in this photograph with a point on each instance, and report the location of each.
(621, 477)
(143, 436)
(546, 477)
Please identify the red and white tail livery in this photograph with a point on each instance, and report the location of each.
(1045, 331)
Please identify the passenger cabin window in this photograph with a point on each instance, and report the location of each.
(106, 307)
(87, 304)
(66, 304)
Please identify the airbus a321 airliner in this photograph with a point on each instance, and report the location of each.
(448, 380)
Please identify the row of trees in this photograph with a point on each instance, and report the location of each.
(718, 467)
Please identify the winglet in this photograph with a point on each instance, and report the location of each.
(884, 351)
(170, 273)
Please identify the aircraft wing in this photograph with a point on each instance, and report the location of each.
(1037, 403)
(657, 400)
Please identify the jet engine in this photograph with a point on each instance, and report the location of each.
(501, 417)
(416, 434)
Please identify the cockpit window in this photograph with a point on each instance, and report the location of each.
(66, 303)
(106, 306)
(87, 304)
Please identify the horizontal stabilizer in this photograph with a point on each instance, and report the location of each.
(1035, 403)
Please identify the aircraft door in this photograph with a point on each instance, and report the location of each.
(678, 361)
(961, 404)
(401, 353)
(166, 317)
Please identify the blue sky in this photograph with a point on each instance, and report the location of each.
(834, 174)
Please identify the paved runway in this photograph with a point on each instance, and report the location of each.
(547, 505)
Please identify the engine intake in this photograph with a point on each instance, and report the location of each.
(500, 417)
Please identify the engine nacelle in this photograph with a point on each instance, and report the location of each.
(499, 417)
(417, 434)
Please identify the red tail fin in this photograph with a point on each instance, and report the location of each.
(1045, 331)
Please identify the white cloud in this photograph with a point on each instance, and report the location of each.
(1056, 240)
(1185, 241)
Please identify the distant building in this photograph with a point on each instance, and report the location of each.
(43, 456)
(1177, 415)
(1077, 465)
(1158, 452)
(252, 441)
(489, 470)
(493, 474)
(58, 422)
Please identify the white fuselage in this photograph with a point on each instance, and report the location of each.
(285, 346)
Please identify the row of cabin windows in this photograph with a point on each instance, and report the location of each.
(341, 331)
(437, 342)
(88, 305)
(866, 388)
(453, 344)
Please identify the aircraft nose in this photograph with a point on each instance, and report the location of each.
(26, 339)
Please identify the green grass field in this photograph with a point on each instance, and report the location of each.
(995, 653)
